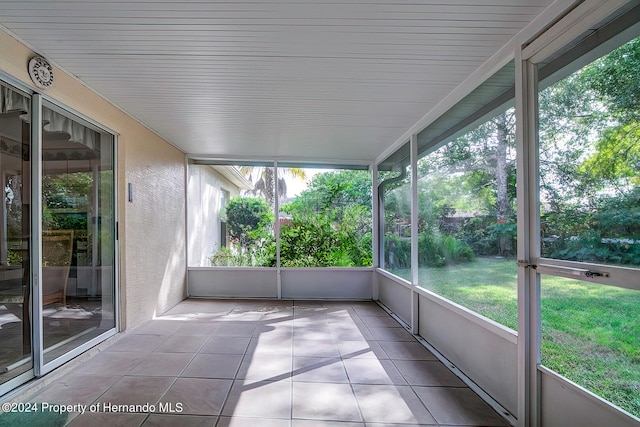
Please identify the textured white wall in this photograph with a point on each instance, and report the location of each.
(205, 186)
(152, 228)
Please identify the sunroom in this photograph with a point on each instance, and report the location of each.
(415, 184)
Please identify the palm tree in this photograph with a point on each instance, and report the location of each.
(263, 180)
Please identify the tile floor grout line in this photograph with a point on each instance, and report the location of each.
(355, 396)
(153, 351)
(293, 323)
(302, 315)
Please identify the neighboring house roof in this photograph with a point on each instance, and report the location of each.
(232, 174)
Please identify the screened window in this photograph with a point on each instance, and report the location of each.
(467, 219)
(466, 202)
(395, 213)
(230, 215)
(325, 217)
(590, 162)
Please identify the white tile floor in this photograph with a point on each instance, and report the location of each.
(271, 363)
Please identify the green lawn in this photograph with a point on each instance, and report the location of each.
(590, 333)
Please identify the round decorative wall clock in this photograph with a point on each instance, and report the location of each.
(41, 72)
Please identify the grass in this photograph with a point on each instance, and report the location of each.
(590, 332)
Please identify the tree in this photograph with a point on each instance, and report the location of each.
(504, 129)
(615, 85)
(481, 163)
(614, 80)
(589, 130)
(331, 222)
(616, 161)
(331, 193)
(590, 161)
(248, 220)
(264, 181)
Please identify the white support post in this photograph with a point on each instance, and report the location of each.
(528, 244)
(187, 226)
(276, 227)
(414, 235)
(377, 238)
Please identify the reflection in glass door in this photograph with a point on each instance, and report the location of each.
(15, 322)
(78, 232)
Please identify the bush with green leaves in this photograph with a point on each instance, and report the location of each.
(307, 243)
(249, 223)
(488, 237)
(314, 242)
(606, 232)
(331, 223)
(437, 250)
(261, 254)
(434, 250)
(249, 220)
(400, 247)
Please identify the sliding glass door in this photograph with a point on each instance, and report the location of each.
(78, 232)
(57, 236)
(15, 322)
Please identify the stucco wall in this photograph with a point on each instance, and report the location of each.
(205, 186)
(152, 227)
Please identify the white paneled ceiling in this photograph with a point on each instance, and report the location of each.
(297, 79)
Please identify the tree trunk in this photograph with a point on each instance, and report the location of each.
(503, 207)
(268, 186)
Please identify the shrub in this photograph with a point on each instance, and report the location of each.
(309, 243)
(591, 247)
(249, 220)
(434, 250)
(261, 254)
(401, 247)
(485, 236)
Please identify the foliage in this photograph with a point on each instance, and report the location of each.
(67, 190)
(314, 242)
(470, 177)
(14, 257)
(486, 236)
(311, 243)
(258, 254)
(330, 225)
(437, 250)
(592, 247)
(248, 220)
(619, 216)
(617, 157)
(332, 193)
(607, 233)
(614, 78)
(264, 181)
(331, 222)
(249, 223)
(434, 250)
